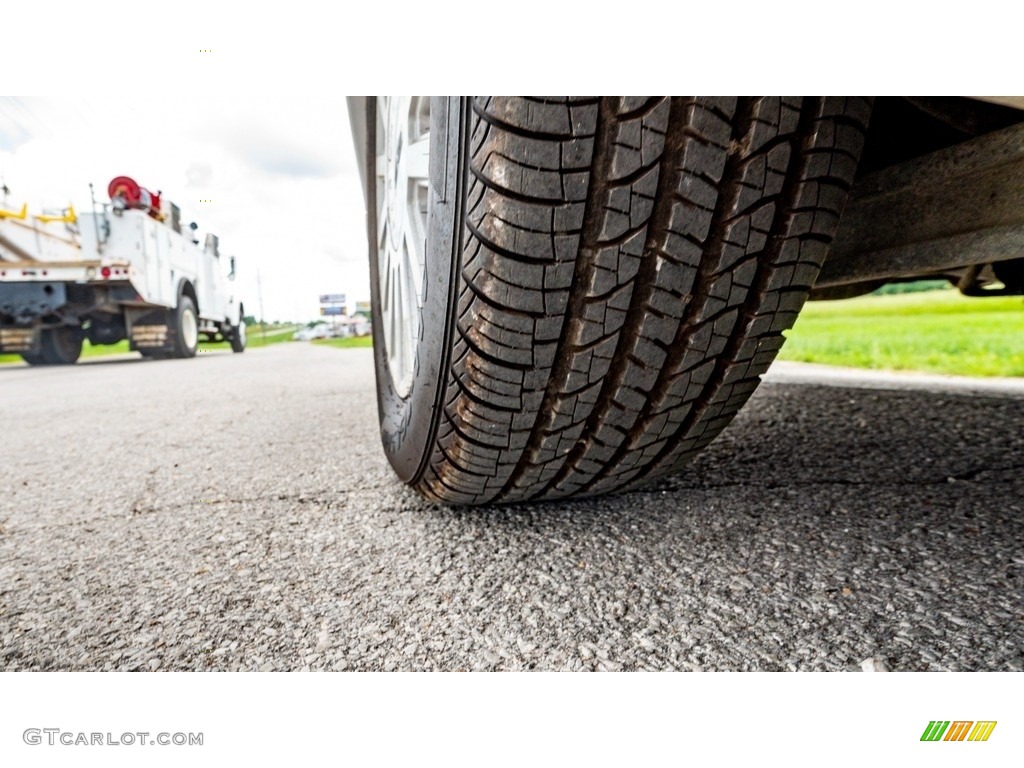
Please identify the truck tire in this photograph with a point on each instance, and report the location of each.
(239, 336)
(186, 328)
(57, 346)
(592, 287)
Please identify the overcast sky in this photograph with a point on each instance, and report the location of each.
(281, 174)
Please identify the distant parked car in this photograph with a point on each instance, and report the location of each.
(307, 334)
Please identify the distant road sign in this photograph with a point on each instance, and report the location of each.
(332, 298)
(363, 307)
(331, 310)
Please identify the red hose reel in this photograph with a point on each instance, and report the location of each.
(125, 190)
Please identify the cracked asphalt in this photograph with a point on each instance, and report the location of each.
(236, 512)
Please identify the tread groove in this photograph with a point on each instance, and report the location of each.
(690, 325)
(561, 370)
(627, 269)
(754, 298)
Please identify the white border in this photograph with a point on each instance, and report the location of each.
(517, 719)
(457, 46)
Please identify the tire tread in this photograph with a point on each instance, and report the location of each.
(629, 266)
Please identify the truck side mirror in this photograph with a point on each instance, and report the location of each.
(231, 274)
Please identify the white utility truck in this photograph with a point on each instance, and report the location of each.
(130, 270)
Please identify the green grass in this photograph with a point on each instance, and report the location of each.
(256, 338)
(274, 335)
(101, 350)
(346, 343)
(935, 331)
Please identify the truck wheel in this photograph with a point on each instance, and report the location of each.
(239, 337)
(575, 295)
(57, 346)
(186, 328)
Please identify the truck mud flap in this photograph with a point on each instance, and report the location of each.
(150, 330)
(19, 340)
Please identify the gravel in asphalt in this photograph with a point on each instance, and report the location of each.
(236, 512)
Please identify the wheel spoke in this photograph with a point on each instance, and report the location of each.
(417, 163)
(419, 115)
(402, 174)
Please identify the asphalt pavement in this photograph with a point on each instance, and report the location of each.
(236, 512)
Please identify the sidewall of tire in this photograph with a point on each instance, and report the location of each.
(408, 425)
(239, 334)
(182, 350)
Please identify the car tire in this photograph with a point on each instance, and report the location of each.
(601, 281)
(186, 328)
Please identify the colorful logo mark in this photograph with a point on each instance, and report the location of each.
(958, 730)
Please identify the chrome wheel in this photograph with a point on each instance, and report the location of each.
(403, 179)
